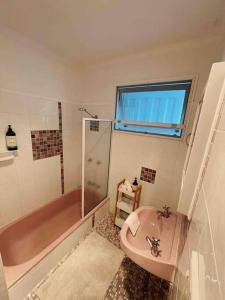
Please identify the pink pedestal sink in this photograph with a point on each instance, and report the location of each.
(169, 230)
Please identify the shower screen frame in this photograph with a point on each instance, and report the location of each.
(84, 120)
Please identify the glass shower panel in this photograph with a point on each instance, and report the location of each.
(96, 157)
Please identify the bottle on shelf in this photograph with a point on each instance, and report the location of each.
(135, 184)
(11, 141)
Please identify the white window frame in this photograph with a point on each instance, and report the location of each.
(184, 126)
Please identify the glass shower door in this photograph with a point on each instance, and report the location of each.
(96, 143)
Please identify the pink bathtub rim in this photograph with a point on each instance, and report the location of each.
(14, 273)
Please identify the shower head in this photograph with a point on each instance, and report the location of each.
(85, 110)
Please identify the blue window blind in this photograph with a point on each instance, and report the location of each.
(157, 108)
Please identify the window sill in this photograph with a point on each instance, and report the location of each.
(148, 135)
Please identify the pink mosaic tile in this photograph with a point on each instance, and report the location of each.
(148, 175)
(94, 125)
(45, 143)
(61, 146)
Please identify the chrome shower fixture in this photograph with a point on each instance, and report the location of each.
(87, 112)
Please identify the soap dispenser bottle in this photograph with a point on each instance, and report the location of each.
(11, 142)
(135, 184)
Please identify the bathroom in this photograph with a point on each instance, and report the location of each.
(65, 70)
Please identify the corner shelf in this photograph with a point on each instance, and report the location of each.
(6, 156)
(126, 202)
(131, 194)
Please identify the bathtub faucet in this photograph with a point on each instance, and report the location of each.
(165, 213)
(154, 245)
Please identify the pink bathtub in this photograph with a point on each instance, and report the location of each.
(26, 241)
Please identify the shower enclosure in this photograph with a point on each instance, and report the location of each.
(32, 241)
(96, 143)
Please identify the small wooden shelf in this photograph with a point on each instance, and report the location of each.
(119, 221)
(126, 202)
(132, 194)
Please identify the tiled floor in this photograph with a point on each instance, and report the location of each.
(106, 229)
(128, 281)
(131, 281)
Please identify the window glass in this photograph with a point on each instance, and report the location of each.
(161, 107)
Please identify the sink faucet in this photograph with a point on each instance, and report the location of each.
(154, 245)
(165, 213)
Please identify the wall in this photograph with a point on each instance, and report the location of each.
(32, 82)
(131, 151)
(207, 226)
(223, 54)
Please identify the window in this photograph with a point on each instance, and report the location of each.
(157, 108)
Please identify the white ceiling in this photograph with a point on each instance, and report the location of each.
(86, 30)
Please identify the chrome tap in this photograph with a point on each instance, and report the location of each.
(154, 246)
(165, 213)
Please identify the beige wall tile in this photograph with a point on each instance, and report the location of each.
(148, 152)
(198, 223)
(205, 248)
(47, 179)
(207, 225)
(214, 192)
(35, 182)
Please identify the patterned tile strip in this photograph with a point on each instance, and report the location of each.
(94, 125)
(45, 143)
(48, 143)
(61, 146)
(148, 175)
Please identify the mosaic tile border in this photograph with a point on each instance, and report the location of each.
(61, 146)
(45, 143)
(94, 125)
(148, 175)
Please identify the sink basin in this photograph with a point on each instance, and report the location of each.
(169, 230)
